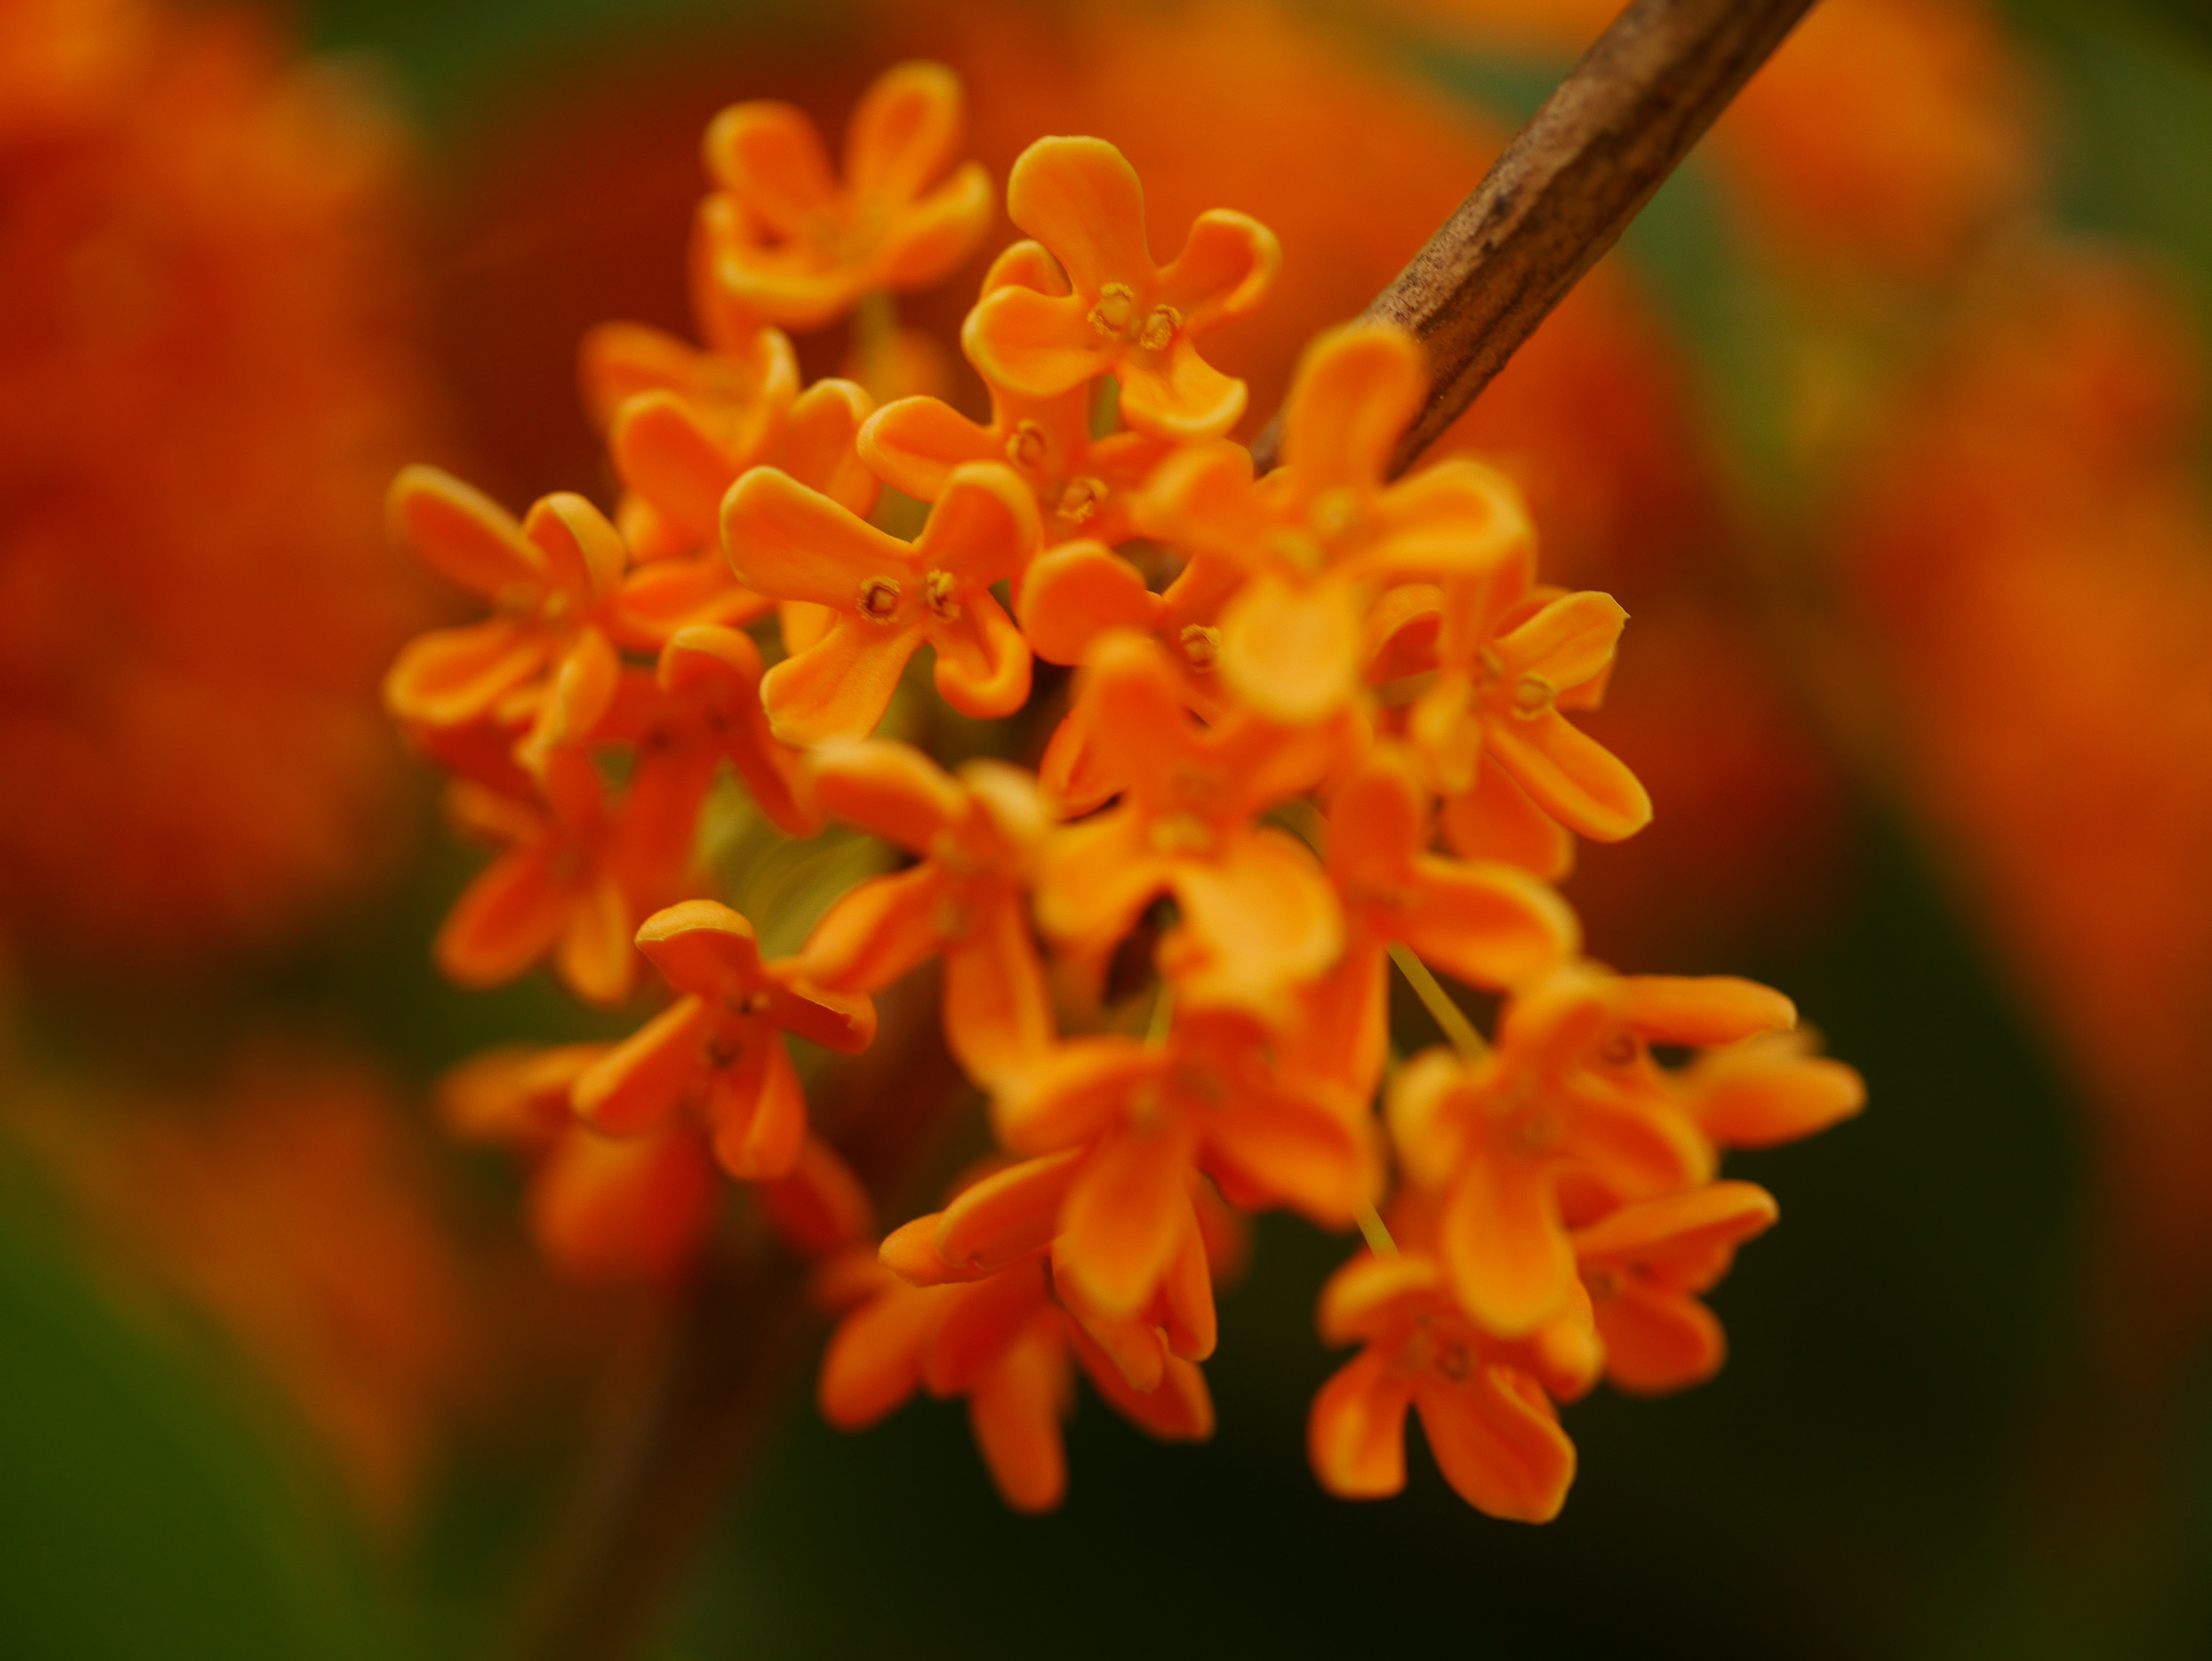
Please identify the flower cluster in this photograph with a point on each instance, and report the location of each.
(1164, 949)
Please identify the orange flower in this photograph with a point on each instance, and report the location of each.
(1252, 895)
(1488, 924)
(1487, 1417)
(885, 599)
(787, 242)
(1569, 1093)
(1321, 531)
(562, 885)
(1126, 316)
(1083, 485)
(718, 1051)
(546, 656)
(1643, 1266)
(1509, 660)
(1209, 1098)
(602, 1207)
(977, 837)
(1767, 1091)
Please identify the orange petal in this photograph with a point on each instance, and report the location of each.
(461, 534)
(1422, 1109)
(1014, 1414)
(448, 676)
(839, 1020)
(913, 445)
(878, 931)
(1072, 1091)
(1292, 651)
(1658, 1342)
(1177, 394)
(889, 790)
(1073, 591)
(905, 132)
(1455, 519)
(769, 157)
(1119, 1225)
(1290, 1151)
(997, 1012)
(1007, 1214)
(1263, 904)
(1192, 1328)
(1503, 1246)
(1498, 820)
(873, 1362)
(584, 552)
(514, 1093)
(793, 542)
(821, 444)
(756, 1113)
(1228, 263)
(1033, 345)
(924, 244)
(1371, 1297)
(1487, 925)
(584, 685)
(1094, 878)
(722, 668)
(504, 921)
(1356, 1434)
(1571, 641)
(1180, 1408)
(610, 1210)
(667, 595)
(1497, 1443)
(663, 451)
(1130, 1345)
(983, 667)
(1768, 1090)
(639, 1084)
(983, 528)
(1201, 496)
(1683, 1241)
(1081, 200)
(1358, 387)
(1703, 1010)
(702, 947)
(981, 1322)
(1570, 776)
(838, 689)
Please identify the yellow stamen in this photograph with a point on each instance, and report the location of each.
(1026, 445)
(1201, 645)
(1117, 305)
(942, 590)
(1160, 328)
(1080, 503)
(879, 599)
(1532, 697)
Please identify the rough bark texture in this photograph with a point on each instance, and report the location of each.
(1564, 190)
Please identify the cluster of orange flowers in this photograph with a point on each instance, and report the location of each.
(1287, 688)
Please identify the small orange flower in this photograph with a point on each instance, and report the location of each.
(1767, 1091)
(1210, 1098)
(562, 885)
(718, 1051)
(1083, 485)
(885, 599)
(1488, 1420)
(1643, 1266)
(601, 1208)
(1253, 896)
(789, 242)
(1319, 534)
(1126, 316)
(977, 837)
(546, 656)
(1569, 1093)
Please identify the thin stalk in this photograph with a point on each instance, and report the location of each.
(1457, 1029)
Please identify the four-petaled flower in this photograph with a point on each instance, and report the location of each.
(886, 598)
(717, 1053)
(976, 835)
(1125, 316)
(788, 242)
(1644, 1267)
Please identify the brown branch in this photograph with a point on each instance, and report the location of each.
(1564, 192)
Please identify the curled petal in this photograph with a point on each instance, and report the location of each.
(983, 667)
(1264, 903)
(1074, 590)
(504, 921)
(1201, 496)
(1768, 1090)
(1503, 1246)
(981, 1320)
(514, 1093)
(1658, 1342)
(663, 451)
(1681, 1241)
(1356, 1433)
(756, 1113)
(702, 947)
(461, 534)
(1497, 819)
(1370, 1297)
(1130, 1345)
(1421, 1108)
(1095, 878)
(878, 931)
(790, 542)
(1177, 394)
(1570, 776)
(660, 598)
(584, 552)
(1358, 387)
(904, 132)
(637, 1086)
(1081, 200)
(838, 689)
(839, 1020)
(983, 528)
(1487, 925)
(1072, 1092)
(1570, 642)
(1180, 1408)
(1228, 263)
(1033, 345)
(1497, 1442)
(1456, 520)
(821, 444)
(1703, 1010)
(913, 445)
(998, 1014)
(1192, 1328)
(594, 957)
(1025, 264)
(1292, 651)
(1291, 1150)
(448, 676)
(1119, 1225)
(889, 790)
(722, 668)
(1006, 1215)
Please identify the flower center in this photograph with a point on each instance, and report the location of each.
(879, 599)
(1160, 328)
(942, 589)
(1026, 445)
(1117, 305)
(1532, 697)
(1083, 497)
(1201, 645)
